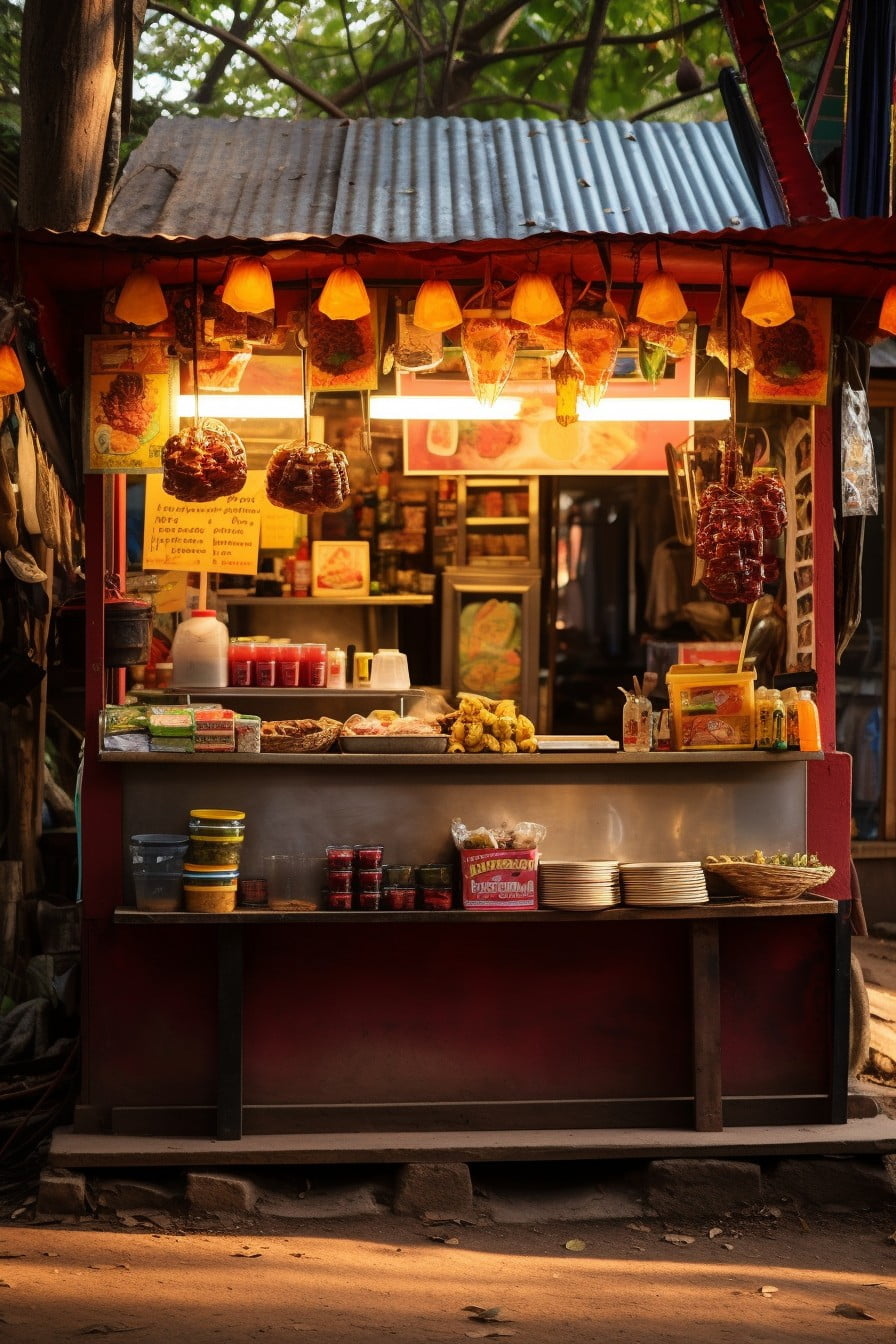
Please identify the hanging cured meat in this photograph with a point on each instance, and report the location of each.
(307, 477)
(735, 520)
(205, 461)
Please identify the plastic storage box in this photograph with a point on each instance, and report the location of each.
(712, 708)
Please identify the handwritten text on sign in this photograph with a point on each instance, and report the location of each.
(221, 536)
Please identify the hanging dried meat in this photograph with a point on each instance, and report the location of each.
(203, 462)
(307, 477)
(735, 521)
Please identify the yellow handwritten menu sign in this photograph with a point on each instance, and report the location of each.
(220, 536)
(278, 526)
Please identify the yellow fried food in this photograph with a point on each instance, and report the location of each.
(473, 735)
(455, 746)
(524, 727)
(528, 744)
(509, 745)
(458, 731)
(384, 715)
(490, 742)
(503, 729)
(505, 709)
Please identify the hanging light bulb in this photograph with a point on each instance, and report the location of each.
(535, 300)
(887, 320)
(344, 296)
(248, 287)
(661, 301)
(12, 379)
(436, 307)
(141, 301)
(768, 302)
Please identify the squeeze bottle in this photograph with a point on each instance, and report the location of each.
(199, 651)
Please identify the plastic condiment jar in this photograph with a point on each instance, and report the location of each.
(199, 651)
(289, 665)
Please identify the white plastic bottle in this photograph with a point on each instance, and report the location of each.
(199, 651)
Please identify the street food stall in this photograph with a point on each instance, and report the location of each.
(594, 944)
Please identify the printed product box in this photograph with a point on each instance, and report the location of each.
(712, 708)
(499, 879)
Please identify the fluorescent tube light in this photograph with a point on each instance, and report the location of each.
(243, 406)
(612, 409)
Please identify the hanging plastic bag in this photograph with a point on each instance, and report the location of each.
(728, 338)
(858, 469)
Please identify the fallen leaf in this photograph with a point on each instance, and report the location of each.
(714, 1232)
(110, 1266)
(875, 1285)
(678, 1239)
(486, 1332)
(296, 1255)
(575, 1245)
(854, 1311)
(767, 1290)
(637, 1227)
(488, 1313)
(245, 1255)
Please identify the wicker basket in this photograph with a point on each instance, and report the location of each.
(283, 742)
(767, 881)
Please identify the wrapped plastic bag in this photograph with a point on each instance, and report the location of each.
(519, 835)
(858, 469)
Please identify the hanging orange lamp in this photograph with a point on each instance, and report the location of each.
(535, 300)
(436, 307)
(12, 379)
(661, 301)
(248, 287)
(344, 295)
(768, 302)
(887, 320)
(141, 302)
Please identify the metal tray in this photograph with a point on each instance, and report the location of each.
(394, 746)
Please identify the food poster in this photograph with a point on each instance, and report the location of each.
(533, 443)
(792, 361)
(129, 404)
(221, 535)
(340, 568)
(490, 646)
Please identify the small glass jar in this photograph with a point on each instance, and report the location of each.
(369, 856)
(637, 723)
(436, 898)
(434, 875)
(398, 875)
(341, 879)
(399, 898)
(370, 879)
(340, 856)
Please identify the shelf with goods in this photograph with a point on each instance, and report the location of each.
(497, 520)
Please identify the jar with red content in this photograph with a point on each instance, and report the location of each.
(313, 665)
(265, 665)
(436, 898)
(289, 665)
(399, 898)
(369, 900)
(368, 856)
(370, 879)
(339, 900)
(340, 856)
(341, 880)
(241, 663)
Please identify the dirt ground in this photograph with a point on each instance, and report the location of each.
(405, 1280)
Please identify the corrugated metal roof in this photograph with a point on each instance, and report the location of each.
(430, 180)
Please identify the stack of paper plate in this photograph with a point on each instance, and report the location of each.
(661, 884)
(585, 885)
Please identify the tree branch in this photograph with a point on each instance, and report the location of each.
(578, 98)
(450, 54)
(353, 56)
(673, 102)
(275, 71)
(241, 27)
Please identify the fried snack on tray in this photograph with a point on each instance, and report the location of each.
(481, 724)
(299, 735)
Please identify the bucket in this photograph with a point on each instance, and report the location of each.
(127, 627)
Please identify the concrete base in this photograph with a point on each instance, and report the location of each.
(873, 1134)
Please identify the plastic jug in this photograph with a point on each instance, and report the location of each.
(199, 651)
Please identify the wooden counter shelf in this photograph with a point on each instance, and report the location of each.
(462, 760)
(700, 991)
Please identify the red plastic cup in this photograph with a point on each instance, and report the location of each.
(369, 900)
(341, 879)
(399, 898)
(339, 900)
(370, 879)
(369, 856)
(289, 665)
(437, 898)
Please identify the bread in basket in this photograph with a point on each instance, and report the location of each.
(765, 881)
(299, 735)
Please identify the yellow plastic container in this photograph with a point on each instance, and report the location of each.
(712, 707)
(210, 900)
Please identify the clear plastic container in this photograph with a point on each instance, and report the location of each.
(161, 892)
(153, 854)
(199, 651)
